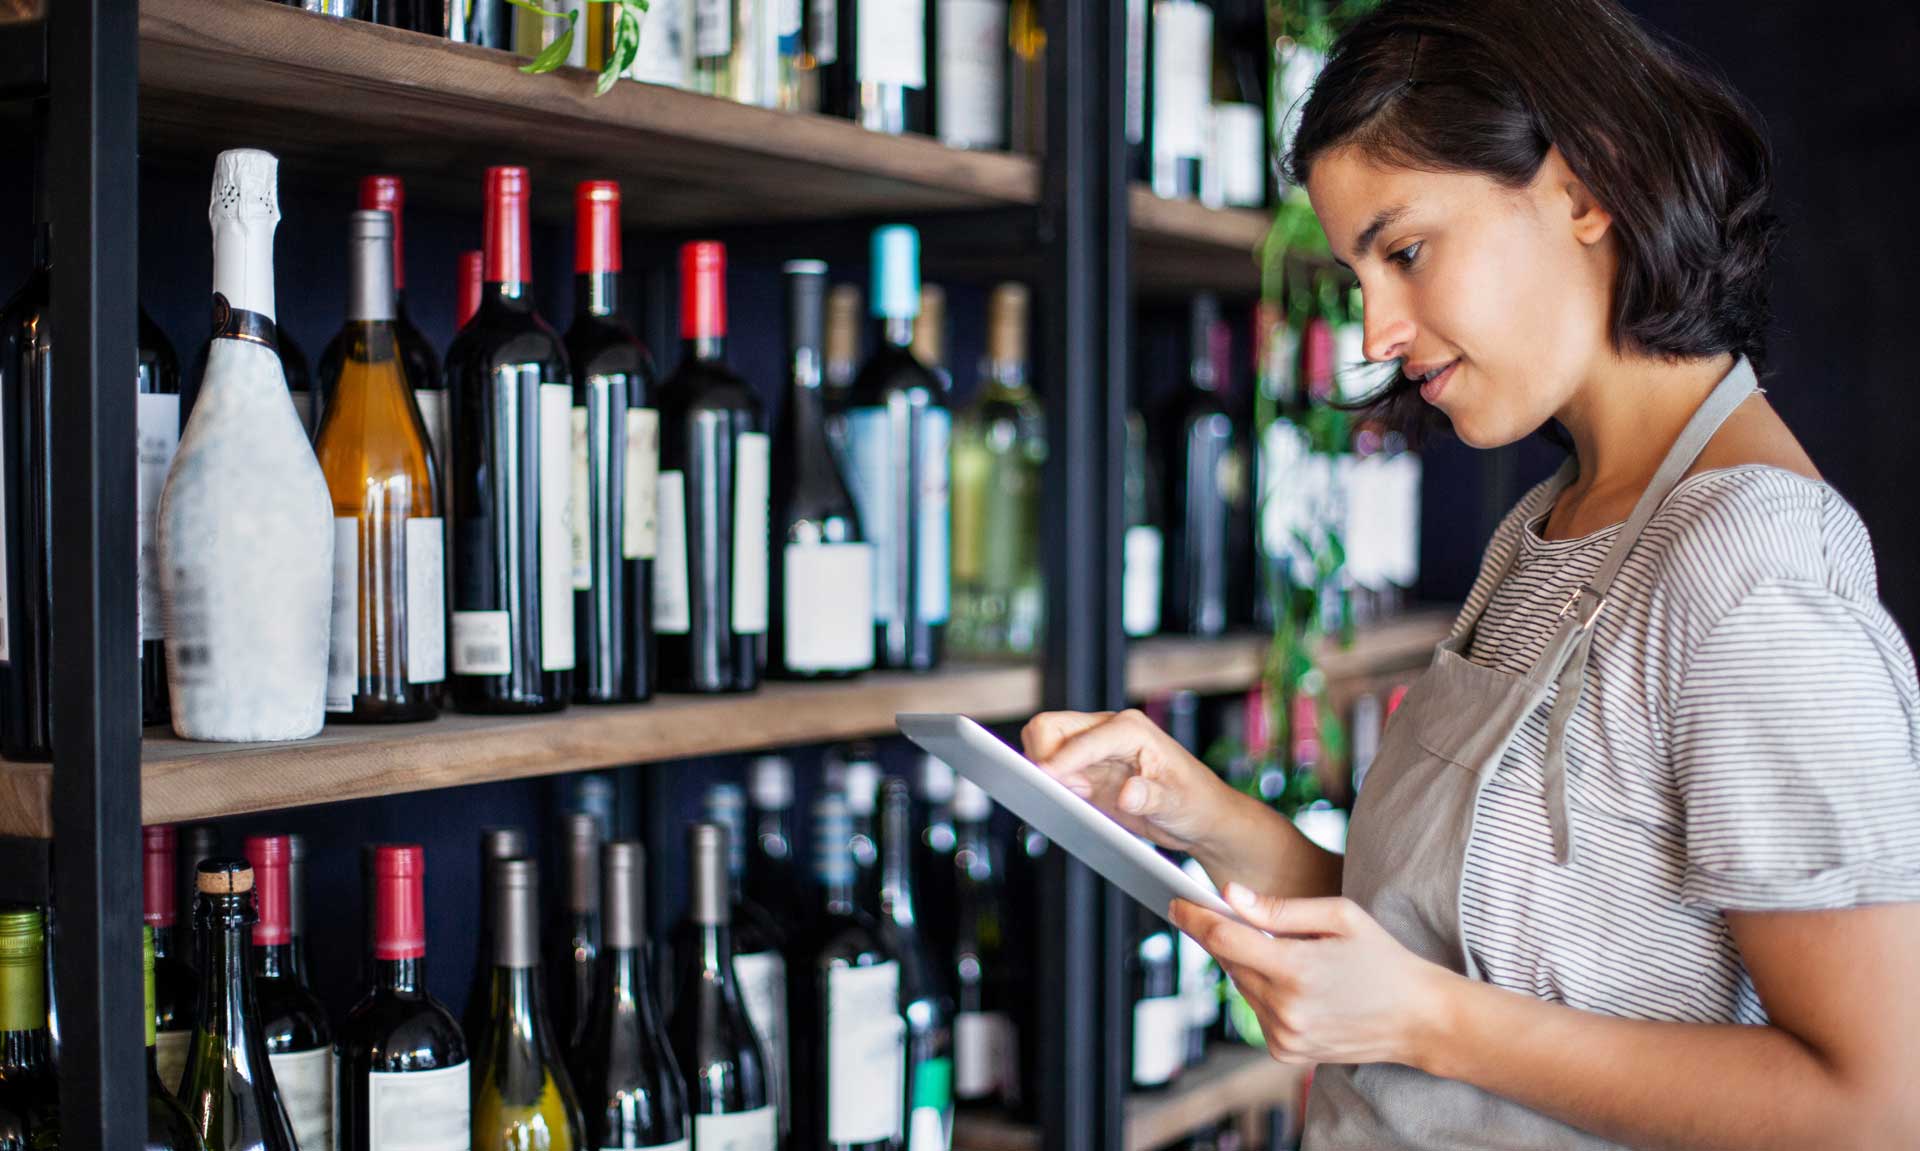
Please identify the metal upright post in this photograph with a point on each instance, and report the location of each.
(93, 70)
(1083, 228)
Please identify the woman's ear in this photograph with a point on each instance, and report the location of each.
(1568, 194)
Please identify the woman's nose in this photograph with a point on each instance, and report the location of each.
(1389, 330)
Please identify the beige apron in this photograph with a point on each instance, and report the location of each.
(1414, 820)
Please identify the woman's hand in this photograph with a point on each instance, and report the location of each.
(1127, 767)
(1334, 987)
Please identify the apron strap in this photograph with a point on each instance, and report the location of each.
(1571, 676)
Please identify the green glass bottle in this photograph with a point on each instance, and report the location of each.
(522, 1098)
(168, 1128)
(29, 1095)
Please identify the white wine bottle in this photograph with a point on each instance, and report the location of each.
(246, 525)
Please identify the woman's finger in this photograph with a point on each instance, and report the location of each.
(1229, 941)
(1044, 733)
(1333, 916)
(1118, 738)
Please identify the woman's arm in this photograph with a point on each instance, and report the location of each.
(1127, 767)
(1833, 1070)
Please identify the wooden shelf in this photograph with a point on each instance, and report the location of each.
(1231, 1081)
(183, 780)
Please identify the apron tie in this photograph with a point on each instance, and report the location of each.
(1571, 682)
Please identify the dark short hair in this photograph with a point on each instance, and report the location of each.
(1668, 147)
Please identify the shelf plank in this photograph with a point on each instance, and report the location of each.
(1181, 246)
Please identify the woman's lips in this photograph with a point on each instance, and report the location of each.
(1433, 388)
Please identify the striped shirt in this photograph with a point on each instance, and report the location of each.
(1749, 739)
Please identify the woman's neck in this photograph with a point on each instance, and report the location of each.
(1624, 419)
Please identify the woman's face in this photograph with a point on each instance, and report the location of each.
(1505, 292)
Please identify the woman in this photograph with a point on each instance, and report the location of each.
(1638, 859)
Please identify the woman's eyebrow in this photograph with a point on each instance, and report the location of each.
(1385, 219)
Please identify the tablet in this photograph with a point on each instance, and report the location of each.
(1051, 808)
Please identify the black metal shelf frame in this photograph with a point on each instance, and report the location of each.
(86, 57)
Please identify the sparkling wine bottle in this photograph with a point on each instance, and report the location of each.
(168, 1128)
(173, 979)
(292, 1022)
(246, 524)
(29, 1093)
(522, 1097)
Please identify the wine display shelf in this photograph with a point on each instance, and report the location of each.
(182, 780)
(344, 95)
(1233, 1080)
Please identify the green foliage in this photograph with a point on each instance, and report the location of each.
(620, 57)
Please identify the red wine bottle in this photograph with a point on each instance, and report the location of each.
(403, 1078)
(471, 280)
(173, 980)
(1197, 445)
(511, 482)
(292, 1022)
(616, 464)
(630, 1086)
(710, 572)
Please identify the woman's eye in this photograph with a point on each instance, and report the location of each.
(1406, 256)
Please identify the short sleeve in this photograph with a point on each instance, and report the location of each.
(1794, 748)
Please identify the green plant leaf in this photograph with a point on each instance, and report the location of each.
(626, 46)
(554, 54)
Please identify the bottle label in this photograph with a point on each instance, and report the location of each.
(786, 25)
(482, 643)
(556, 527)
(892, 44)
(936, 433)
(826, 32)
(419, 1110)
(755, 1130)
(828, 607)
(751, 494)
(972, 96)
(672, 603)
(1140, 595)
(712, 28)
(426, 600)
(170, 1057)
(762, 979)
(870, 476)
(639, 535)
(433, 413)
(305, 1079)
(1182, 77)
(156, 438)
(866, 1054)
(343, 649)
(582, 504)
(980, 1042)
(1159, 1040)
(663, 45)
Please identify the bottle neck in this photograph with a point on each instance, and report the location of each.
(771, 829)
(837, 892)
(515, 294)
(274, 961)
(1007, 379)
(243, 263)
(625, 987)
(163, 936)
(896, 331)
(401, 976)
(711, 349)
(716, 951)
(596, 293)
(518, 1006)
(226, 980)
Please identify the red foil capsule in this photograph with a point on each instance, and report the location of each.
(268, 855)
(399, 901)
(596, 227)
(703, 290)
(504, 230)
(161, 904)
(387, 194)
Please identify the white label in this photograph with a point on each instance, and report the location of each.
(639, 535)
(170, 1057)
(582, 506)
(556, 527)
(755, 1130)
(828, 606)
(672, 603)
(762, 979)
(1182, 76)
(980, 1042)
(870, 476)
(752, 486)
(972, 95)
(426, 601)
(1239, 147)
(305, 1079)
(936, 502)
(712, 28)
(433, 413)
(892, 42)
(927, 1130)
(826, 32)
(482, 643)
(419, 1110)
(1159, 1040)
(303, 407)
(156, 438)
(786, 25)
(343, 651)
(1140, 591)
(663, 44)
(866, 1054)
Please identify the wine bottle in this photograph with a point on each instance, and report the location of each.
(1182, 82)
(496, 844)
(1027, 78)
(666, 45)
(861, 788)
(156, 439)
(521, 1094)
(1197, 444)
(630, 1087)
(773, 877)
(403, 1077)
(970, 73)
(850, 1090)
(823, 571)
(710, 572)
(1143, 545)
(197, 843)
(924, 1002)
(168, 1128)
(841, 351)
(718, 1051)
(933, 853)
(246, 524)
(292, 1022)
(488, 23)
(173, 1003)
(897, 433)
(929, 344)
(985, 1042)
(388, 654)
(1158, 1039)
(999, 452)
(29, 1093)
(577, 935)
(1028, 864)
(616, 466)
(749, 51)
(470, 281)
(229, 1088)
(878, 78)
(302, 961)
(512, 482)
(759, 948)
